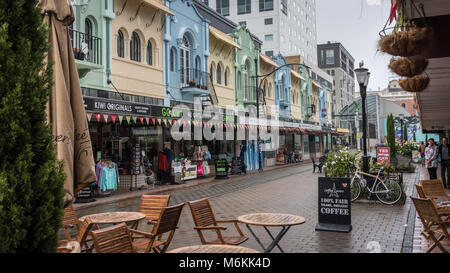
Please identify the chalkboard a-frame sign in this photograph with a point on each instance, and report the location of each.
(334, 204)
(221, 168)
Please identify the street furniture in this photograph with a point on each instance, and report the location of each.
(81, 238)
(427, 210)
(151, 206)
(434, 189)
(285, 221)
(213, 249)
(204, 220)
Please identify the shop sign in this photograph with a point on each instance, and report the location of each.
(221, 168)
(236, 167)
(416, 156)
(113, 106)
(144, 132)
(334, 204)
(384, 155)
(166, 112)
(310, 126)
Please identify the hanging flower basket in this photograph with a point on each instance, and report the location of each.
(410, 41)
(415, 84)
(406, 67)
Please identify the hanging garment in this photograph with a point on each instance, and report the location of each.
(199, 169)
(98, 172)
(109, 179)
(162, 162)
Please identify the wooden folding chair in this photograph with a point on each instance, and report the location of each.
(434, 189)
(82, 236)
(427, 210)
(115, 239)
(151, 206)
(167, 223)
(204, 220)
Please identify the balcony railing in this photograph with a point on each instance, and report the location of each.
(86, 47)
(194, 78)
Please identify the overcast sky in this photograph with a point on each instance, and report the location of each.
(356, 25)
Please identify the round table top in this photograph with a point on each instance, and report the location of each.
(114, 217)
(213, 249)
(271, 219)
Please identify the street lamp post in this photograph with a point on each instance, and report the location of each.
(362, 75)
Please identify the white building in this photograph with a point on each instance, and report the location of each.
(285, 26)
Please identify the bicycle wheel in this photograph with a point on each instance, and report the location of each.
(388, 192)
(355, 189)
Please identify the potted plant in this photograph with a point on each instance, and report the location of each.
(191, 83)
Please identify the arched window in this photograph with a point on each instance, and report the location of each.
(281, 91)
(185, 51)
(265, 88)
(120, 44)
(149, 53)
(245, 82)
(89, 33)
(225, 77)
(135, 47)
(219, 74)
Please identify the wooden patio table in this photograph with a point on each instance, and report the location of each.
(115, 217)
(213, 249)
(285, 221)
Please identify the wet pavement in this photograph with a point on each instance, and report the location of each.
(293, 190)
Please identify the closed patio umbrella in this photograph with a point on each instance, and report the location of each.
(65, 109)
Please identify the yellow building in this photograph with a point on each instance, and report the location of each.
(137, 60)
(267, 65)
(221, 65)
(295, 95)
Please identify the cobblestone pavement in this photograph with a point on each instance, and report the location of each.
(288, 190)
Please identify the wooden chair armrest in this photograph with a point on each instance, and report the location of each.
(210, 227)
(145, 234)
(152, 222)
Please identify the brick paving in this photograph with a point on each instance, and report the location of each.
(376, 227)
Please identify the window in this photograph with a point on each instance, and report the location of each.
(269, 53)
(206, 2)
(185, 51)
(219, 74)
(244, 6)
(245, 82)
(284, 6)
(225, 77)
(223, 7)
(149, 57)
(268, 37)
(88, 37)
(282, 88)
(265, 5)
(268, 21)
(329, 56)
(135, 47)
(120, 44)
(172, 60)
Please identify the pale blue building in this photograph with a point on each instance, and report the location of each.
(185, 53)
(282, 83)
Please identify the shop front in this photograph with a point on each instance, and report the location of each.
(311, 140)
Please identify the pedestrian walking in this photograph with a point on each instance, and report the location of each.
(431, 154)
(422, 152)
(445, 162)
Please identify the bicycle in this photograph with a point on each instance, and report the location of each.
(387, 191)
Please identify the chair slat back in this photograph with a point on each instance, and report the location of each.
(168, 220)
(426, 209)
(420, 191)
(83, 231)
(202, 212)
(433, 188)
(70, 217)
(152, 205)
(115, 239)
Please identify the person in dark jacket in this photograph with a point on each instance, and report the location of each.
(243, 150)
(445, 162)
